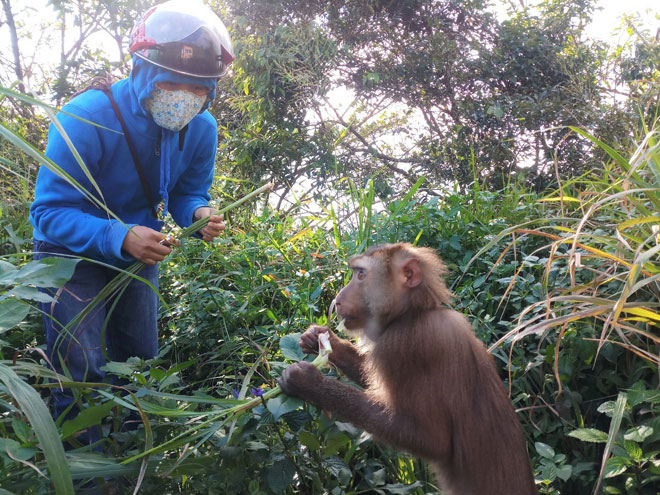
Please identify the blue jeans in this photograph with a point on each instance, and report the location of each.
(131, 329)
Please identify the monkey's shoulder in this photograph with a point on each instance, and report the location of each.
(446, 322)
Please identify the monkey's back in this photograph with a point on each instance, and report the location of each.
(446, 380)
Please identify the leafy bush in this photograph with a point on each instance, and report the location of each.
(520, 266)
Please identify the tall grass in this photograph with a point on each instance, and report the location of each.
(601, 273)
(610, 253)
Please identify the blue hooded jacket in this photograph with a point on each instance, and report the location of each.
(62, 216)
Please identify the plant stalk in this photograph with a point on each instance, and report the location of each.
(321, 361)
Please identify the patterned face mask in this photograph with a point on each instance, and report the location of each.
(174, 109)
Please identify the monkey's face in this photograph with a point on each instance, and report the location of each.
(380, 290)
(364, 303)
(349, 306)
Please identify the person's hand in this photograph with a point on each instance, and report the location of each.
(146, 245)
(214, 227)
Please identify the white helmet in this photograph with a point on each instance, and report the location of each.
(184, 37)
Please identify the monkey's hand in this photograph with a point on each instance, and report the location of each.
(300, 380)
(309, 341)
(344, 355)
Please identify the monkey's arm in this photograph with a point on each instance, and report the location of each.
(305, 381)
(344, 355)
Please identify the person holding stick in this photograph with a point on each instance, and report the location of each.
(149, 145)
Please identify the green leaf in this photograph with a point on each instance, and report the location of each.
(544, 450)
(280, 475)
(377, 478)
(12, 312)
(316, 293)
(6, 267)
(607, 407)
(87, 417)
(21, 429)
(118, 368)
(617, 415)
(26, 293)
(271, 315)
(335, 465)
(43, 425)
(9, 446)
(47, 272)
(616, 466)
(564, 472)
(549, 472)
(256, 446)
(633, 450)
(455, 243)
(638, 433)
(589, 435)
(309, 440)
(399, 488)
(157, 373)
(291, 348)
(297, 419)
(335, 442)
(280, 405)
(479, 281)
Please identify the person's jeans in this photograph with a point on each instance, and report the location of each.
(131, 327)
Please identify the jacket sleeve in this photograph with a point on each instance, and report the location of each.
(192, 189)
(60, 212)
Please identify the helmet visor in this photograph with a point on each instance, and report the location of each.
(164, 27)
(189, 39)
(198, 55)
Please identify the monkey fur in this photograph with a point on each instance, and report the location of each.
(428, 385)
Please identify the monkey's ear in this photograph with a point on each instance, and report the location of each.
(412, 273)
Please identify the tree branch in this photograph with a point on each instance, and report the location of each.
(18, 70)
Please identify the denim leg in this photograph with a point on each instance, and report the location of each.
(132, 329)
(77, 352)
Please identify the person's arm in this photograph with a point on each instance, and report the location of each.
(190, 197)
(60, 212)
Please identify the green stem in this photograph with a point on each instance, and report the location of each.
(320, 362)
(124, 277)
(188, 231)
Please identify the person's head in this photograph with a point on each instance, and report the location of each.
(186, 48)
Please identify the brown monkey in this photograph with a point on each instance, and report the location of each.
(430, 386)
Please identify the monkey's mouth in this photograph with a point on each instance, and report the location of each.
(349, 322)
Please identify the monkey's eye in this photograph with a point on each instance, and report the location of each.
(360, 273)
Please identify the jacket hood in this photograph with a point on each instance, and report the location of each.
(142, 82)
(143, 79)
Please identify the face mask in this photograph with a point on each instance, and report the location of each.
(174, 109)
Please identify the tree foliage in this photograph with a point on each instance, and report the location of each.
(442, 89)
(393, 90)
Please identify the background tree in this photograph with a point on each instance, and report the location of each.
(437, 88)
(391, 90)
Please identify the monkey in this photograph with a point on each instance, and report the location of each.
(427, 384)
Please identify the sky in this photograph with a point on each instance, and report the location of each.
(608, 17)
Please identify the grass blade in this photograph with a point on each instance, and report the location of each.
(39, 417)
(617, 416)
